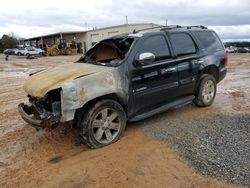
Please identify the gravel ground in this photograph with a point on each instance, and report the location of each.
(215, 141)
(215, 145)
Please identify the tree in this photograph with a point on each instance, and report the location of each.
(8, 42)
(1, 47)
(238, 44)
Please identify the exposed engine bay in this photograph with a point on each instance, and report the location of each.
(44, 111)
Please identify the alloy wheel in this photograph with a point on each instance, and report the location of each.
(208, 91)
(106, 126)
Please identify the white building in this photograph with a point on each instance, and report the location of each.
(86, 39)
(96, 35)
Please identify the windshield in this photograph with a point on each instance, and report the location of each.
(108, 52)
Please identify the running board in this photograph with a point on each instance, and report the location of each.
(148, 114)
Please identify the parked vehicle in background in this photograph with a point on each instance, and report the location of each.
(9, 51)
(33, 51)
(248, 49)
(19, 51)
(242, 50)
(231, 50)
(127, 77)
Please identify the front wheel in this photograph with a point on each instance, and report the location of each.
(206, 91)
(104, 124)
(54, 52)
(69, 52)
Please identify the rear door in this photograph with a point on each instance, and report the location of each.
(188, 61)
(214, 48)
(154, 84)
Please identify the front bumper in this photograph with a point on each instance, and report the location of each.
(31, 116)
(27, 113)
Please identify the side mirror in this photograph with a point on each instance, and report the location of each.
(145, 59)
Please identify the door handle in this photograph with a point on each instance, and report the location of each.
(169, 70)
(198, 61)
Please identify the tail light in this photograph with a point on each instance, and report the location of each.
(226, 57)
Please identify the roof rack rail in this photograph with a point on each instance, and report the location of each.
(135, 31)
(171, 27)
(159, 27)
(197, 26)
(183, 27)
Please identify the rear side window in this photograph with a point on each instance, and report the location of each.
(156, 45)
(209, 41)
(183, 43)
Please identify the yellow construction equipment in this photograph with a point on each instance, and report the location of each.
(63, 48)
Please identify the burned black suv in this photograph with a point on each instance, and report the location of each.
(128, 77)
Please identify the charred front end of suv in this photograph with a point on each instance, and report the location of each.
(42, 112)
(56, 94)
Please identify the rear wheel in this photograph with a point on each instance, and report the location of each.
(206, 91)
(104, 124)
(19, 54)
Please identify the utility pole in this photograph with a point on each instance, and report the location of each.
(126, 29)
(166, 22)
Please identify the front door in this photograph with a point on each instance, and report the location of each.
(154, 84)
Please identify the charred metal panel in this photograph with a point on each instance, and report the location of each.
(39, 84)
(81, 90)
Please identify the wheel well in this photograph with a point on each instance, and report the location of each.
(212, 70)
(111, 96)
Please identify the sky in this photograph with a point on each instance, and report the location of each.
(28, 18)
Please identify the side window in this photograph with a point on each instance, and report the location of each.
(183, 43)
(209, 41)
(157, 45)
(30, 49)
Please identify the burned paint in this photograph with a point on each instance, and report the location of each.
(83, 95)
(76, 93)
(110, 78)
(39, 84)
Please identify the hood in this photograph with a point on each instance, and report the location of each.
(40, 83)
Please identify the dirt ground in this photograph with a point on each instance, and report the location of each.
(49, 159)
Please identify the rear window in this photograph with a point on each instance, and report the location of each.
(209, 41)
(183, 43)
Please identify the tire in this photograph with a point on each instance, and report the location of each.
(27, 54)
(69, 52)
(206, 91)
(40, 54)
(19, 54)
(54, 52)
(103, 123)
